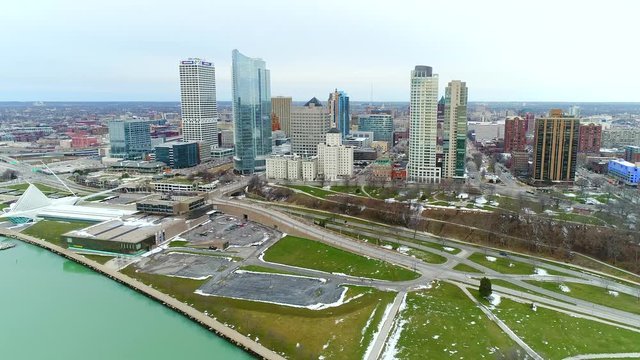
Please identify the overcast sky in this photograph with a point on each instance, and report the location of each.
(505, 50)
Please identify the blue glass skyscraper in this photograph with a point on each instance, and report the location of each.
(251, 113)
(340, 114)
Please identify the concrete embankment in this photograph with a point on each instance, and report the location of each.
(193, 314)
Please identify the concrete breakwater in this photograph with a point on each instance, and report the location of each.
(200, 318)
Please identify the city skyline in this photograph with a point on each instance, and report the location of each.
(87, 55)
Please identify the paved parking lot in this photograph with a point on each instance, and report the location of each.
(183, 265)
(275, 288)
(237, 232)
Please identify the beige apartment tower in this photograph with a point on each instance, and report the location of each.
(309, 126)
(423, 123)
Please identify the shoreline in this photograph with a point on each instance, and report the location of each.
(250, 346)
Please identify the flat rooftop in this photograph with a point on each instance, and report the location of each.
(132, 229)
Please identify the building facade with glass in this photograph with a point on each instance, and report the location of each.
(340, 113)
(251, 90)
(555, 148)
(455, 129)
(179, 154)
(130, 138)
(380, 124)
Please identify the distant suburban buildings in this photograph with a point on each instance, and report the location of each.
(334, 159)
(590, 139)
(555, 148)
(423, 126)
(340, 112)
(281, 110)
(380, 124)
(292, 167)
(130, 138)
(620, 136)
(455, 130)
(179, 154)
(309, 126)
(199, 110)
(251, 89)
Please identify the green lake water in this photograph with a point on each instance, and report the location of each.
(52, 308)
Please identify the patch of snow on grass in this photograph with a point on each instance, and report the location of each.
(539, 271)
(613, 293)
(446, 248)
(366, 326)
(564, 288)
(494, 299)
(404, 249)
(388, 247)
(490, 258)
(391, 350)
(571, 195)
(435, 337)
(385, 315)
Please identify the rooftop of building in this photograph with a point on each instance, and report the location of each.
(334, 131)
(623, 162)
(175, 143)
(314, 101)
(159, 199)
(132, 229)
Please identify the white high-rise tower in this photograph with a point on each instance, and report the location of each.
(198, 104)
(423, 126)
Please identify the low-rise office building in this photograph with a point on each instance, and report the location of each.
(624, 171)
(172, 205)
(179, 154)
(130, 235)
(138, 167)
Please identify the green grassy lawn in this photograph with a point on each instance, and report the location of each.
(583, 219)
(442, 322)
(426, 256)
(335, 333)
(595, 295)
(502, 264)
(556, 335)
(312, 190)
(264, 269)
(102, 259)
(504, 283)
(381, 193)
(52, 231)
(178, 243)
(42, 187)
(440, 203)
(4, 205)
(306, 253)
(466, 268)
(354, 190)
(389, 232)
